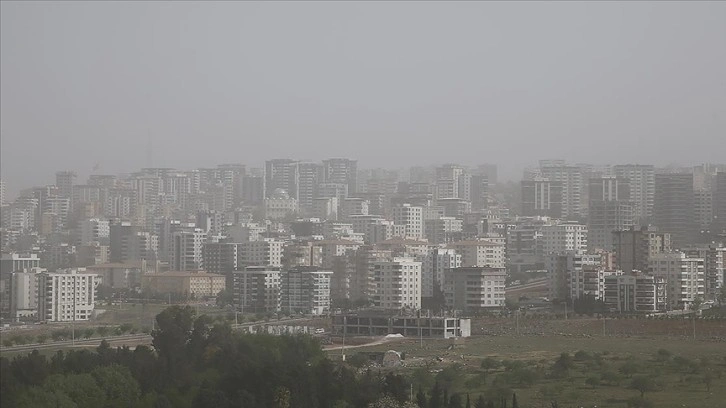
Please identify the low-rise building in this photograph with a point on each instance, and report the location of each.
(197, 283)
(378, 324)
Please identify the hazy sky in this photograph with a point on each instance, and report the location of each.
(391, 84)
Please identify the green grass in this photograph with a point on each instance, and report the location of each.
(540, 352)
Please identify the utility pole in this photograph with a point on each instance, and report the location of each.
(517, 318)
(342, 349)
(694, 326)
(565, 308)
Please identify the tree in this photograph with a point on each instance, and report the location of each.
(489, 364)
(663, 355)
(358, 360)
(514, 401)
(209, 397)
(120, 387)
(639, 402)
(421, 398)
(102, 331)
(562, 365)
(708, 380)
(593, 381)
(225, 297)
(629, 368)
(480, 402)
(174, 328)
(696, 304)
(455, 401)
(88, 333)
(643, 384)
(82, 389)
(610, 377)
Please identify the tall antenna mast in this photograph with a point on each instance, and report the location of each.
(149, 150)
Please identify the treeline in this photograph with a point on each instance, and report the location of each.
(196, 363)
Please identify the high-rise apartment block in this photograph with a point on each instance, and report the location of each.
(257, 289)
(685, 278)
(719, 201)
(397, 284)
(282, 174)
(342, 171)
(186, 250)
(635, 246)
(610, 209)
(305, 290)
(66, 295)
(541, 197)
(411, 217)
(572, 181)
(641, 181)
(673, 209)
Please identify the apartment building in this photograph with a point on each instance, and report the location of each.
(257, 289)
(305, 289)
(474, 288)
(66, 295)
(635, 292)
(397, 284)
(684, 276)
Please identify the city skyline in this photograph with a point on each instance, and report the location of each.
(465, 82)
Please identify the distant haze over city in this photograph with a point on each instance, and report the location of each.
(392, 85)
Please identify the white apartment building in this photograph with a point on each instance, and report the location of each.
(66, 295)
(305, 290)
(562, 238)
(480, 253)
(257, 289)
(266, 252)
(411, 217)
(562, 266)
(443, 230)
(433, 268)
(476, 288)
(589, 280)
(397, 284)
(685, 277)
(186, 250)
(93, 230)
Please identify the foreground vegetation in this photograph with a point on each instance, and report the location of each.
(199, 362)
(568, 371)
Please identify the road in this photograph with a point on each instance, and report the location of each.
(382, 340)
(114, 341)
(123, 340)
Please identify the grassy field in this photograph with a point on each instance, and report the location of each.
(675, 385)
